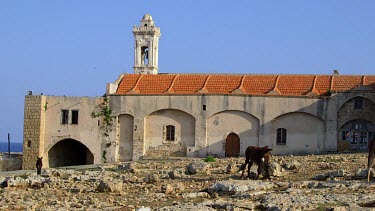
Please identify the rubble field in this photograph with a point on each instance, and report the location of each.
(310, 182)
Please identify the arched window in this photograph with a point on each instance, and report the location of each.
(281, 136)
(169, 133)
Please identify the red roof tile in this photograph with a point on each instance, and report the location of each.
(127, 83)
(287, 85)
(259, 84)
(187, 84)
(223, 84)
(155, 84)
(369, 80)
(295, 84)
(323, 84)
(346, 82)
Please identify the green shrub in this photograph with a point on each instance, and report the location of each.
(210, 159)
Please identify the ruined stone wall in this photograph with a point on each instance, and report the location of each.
(33, 130)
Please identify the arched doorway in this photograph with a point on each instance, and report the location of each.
(356, 134)
(69, 152)
(232, 145)
(220, 124)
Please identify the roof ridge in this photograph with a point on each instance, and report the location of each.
(135, 89)
(275, 90)
(170, 89)
(204, 89)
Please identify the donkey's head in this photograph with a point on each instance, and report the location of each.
(266, 155)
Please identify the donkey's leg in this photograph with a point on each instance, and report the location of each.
(267, 171)
(248, 169)
(259, 170)
(244, 167)
(369, 164)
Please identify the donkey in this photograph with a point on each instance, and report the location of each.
(39, 165)
(371, 152)
(257, 155)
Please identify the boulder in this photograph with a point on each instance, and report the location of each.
(167, 189)
(238, 186)
(233, 168)
(362, 173)
(274, 169)
(151, 178)
(110, 186)
(176, 173)
(331, 174)
(291, 165)
(198, 167)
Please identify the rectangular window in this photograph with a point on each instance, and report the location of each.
(281, 136)
(28, 143)
(74, 117)
(64, 117)
(170, 131)
(358, 103)
(204, 107)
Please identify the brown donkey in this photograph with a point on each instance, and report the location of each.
(39, 165)
(371, 152)
(257, 155)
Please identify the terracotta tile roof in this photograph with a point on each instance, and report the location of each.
(223, 84)
(155, 84)
(127, 83)
(295, 84)
(286, 85)
(346, 82)
(187, 84)
(369, 80)
(323, 84)
(259, 84)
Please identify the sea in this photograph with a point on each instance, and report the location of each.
(14, 147)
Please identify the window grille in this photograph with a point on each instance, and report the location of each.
(281, 136)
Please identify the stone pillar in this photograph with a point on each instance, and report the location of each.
(33, 132)
(138, 139)
(331, 136)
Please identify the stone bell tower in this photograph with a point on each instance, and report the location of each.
(146, 41)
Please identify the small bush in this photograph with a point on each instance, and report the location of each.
(210, 159)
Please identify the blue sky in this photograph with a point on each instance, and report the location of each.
(75, 47)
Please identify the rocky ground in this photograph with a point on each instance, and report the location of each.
(315, 182)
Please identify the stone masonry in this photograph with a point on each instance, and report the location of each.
(33, 130)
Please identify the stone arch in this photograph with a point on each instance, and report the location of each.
(125, 147)
(355, 134)
(349, 100)
(348, 112)
(69, 152)
(155, 129)
(305, 133)
(221, 124)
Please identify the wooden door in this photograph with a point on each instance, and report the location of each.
(232, 145)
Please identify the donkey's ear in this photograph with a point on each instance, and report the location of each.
(41, 157)
(265, 150)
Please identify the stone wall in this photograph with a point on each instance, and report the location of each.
(10, 164)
